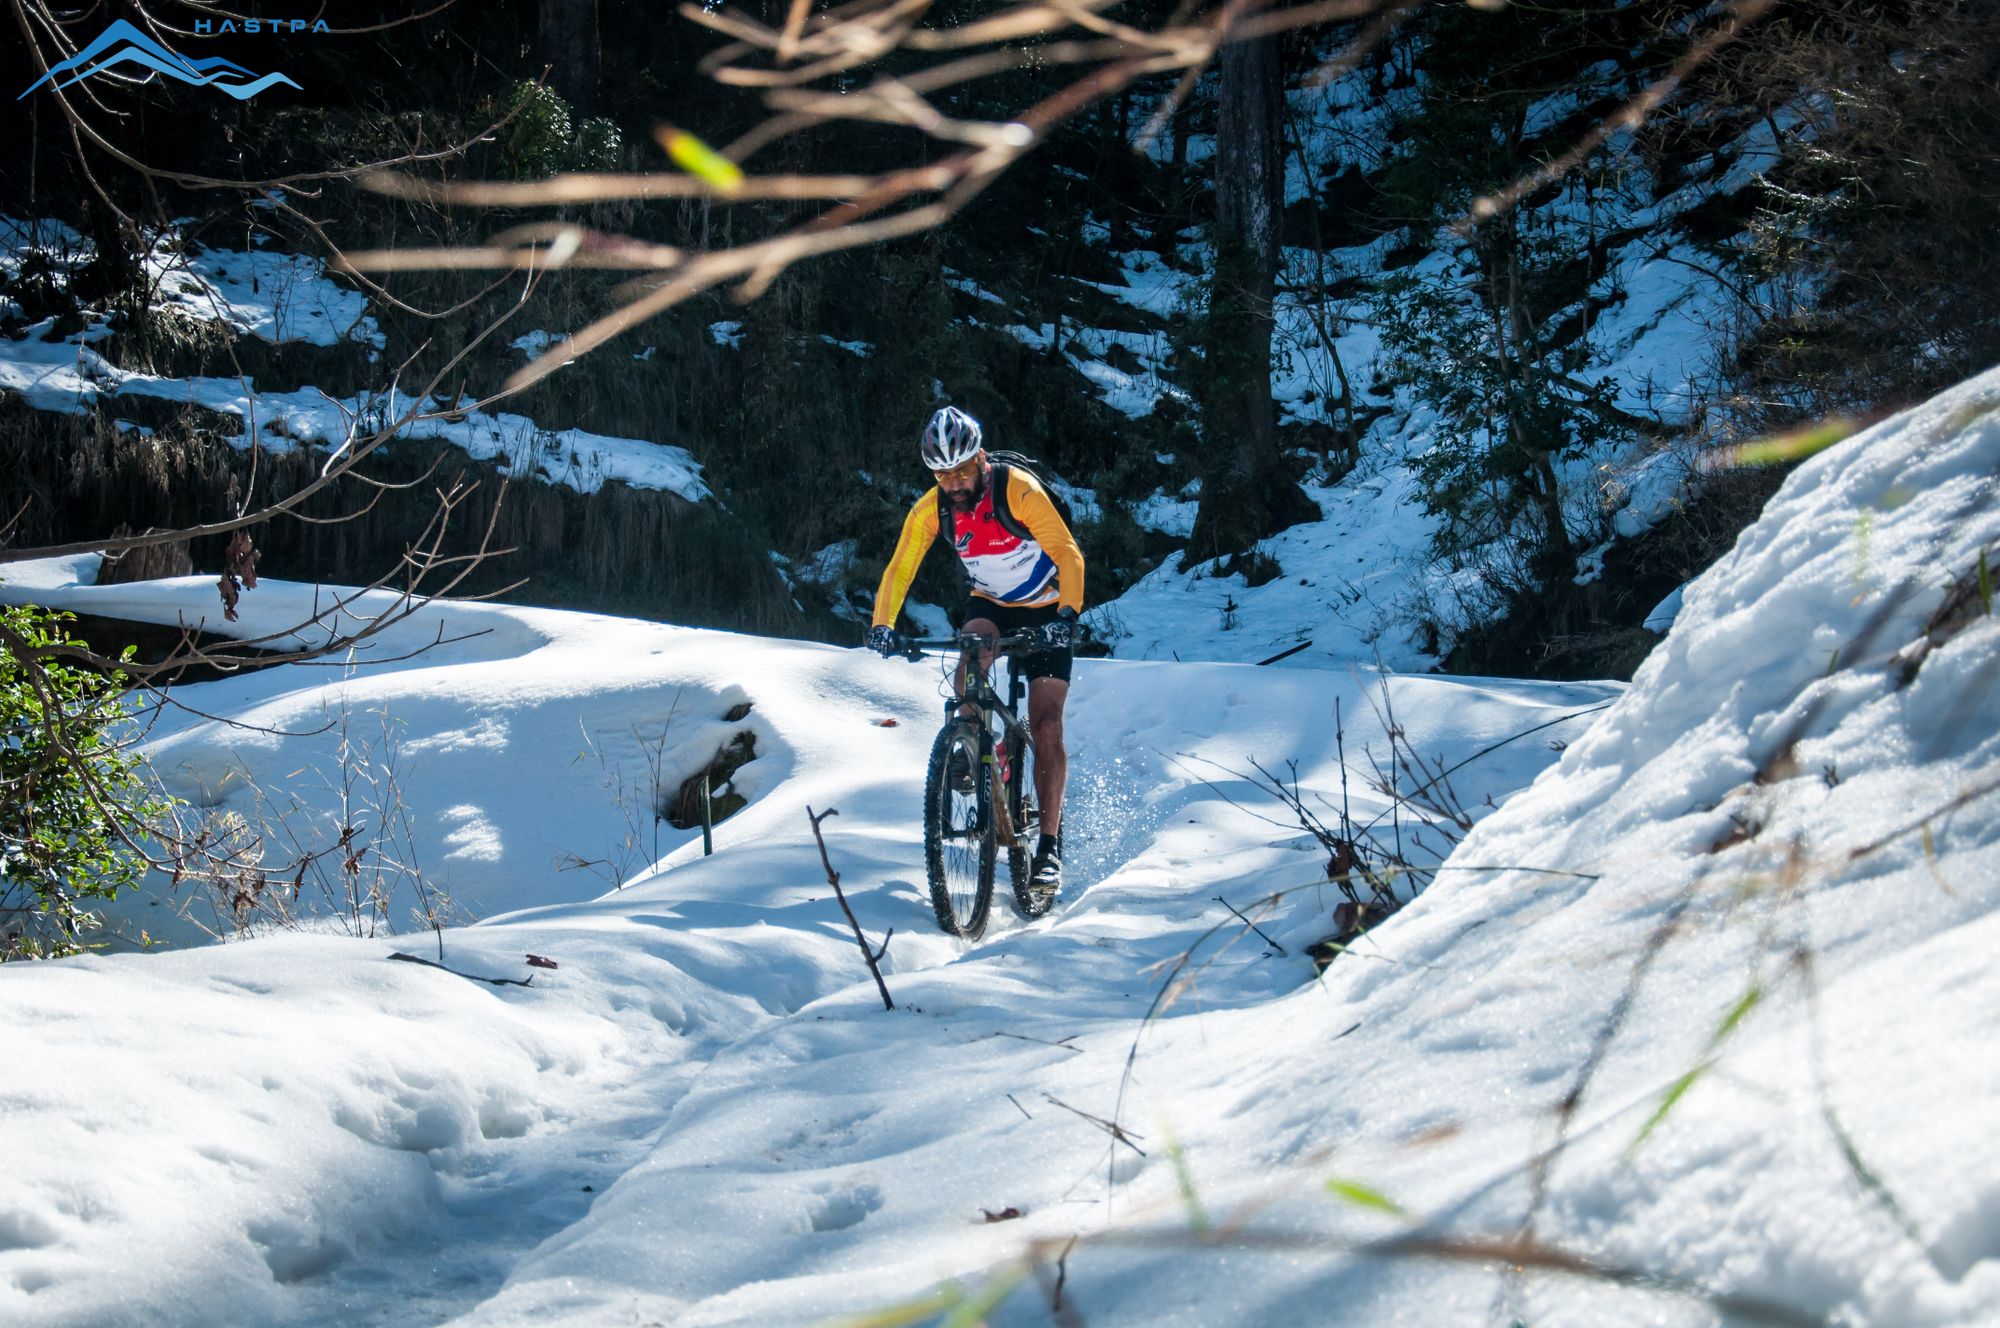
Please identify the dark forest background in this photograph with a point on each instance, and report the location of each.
(1864, 261)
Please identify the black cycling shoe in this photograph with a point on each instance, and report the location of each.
(1047, 877)
(958, 766)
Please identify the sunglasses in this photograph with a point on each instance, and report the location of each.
(964, 470)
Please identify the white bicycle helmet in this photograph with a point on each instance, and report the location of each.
(950, 439)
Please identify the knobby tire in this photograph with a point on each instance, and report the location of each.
(959, 842)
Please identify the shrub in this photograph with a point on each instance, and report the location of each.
(1506, 409)
(597, 145)
(545, 139)
(538, 142)
(72, 795)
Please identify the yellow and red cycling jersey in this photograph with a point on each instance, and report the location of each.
(1003, 567)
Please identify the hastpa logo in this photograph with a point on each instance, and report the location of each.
(123, 44)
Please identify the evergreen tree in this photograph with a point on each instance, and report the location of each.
(1498, 347)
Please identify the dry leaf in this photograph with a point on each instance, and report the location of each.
(239, 572)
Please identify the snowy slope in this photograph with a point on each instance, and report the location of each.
(1779, 931)
(1659, 317)
(1745, 922)
(512, 800)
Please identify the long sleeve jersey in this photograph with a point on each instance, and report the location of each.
(1003, 567)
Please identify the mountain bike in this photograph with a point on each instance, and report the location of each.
(984, 801)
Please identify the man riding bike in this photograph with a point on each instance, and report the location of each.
(1027, 575)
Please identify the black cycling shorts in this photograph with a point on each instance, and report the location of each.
(1013, 618)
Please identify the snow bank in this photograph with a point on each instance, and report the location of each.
(272, 296)
(67, 375)
(1748, 919)
(474, 719)
(287, 298)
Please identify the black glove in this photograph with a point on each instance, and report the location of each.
(884, 641)
(1060, 634)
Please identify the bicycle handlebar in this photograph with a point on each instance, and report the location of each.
(1014, 643)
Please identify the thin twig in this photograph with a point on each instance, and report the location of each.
(833, 878)
(1023, 1037)
(471, 977)
(1251, 925)
(1112, 1128)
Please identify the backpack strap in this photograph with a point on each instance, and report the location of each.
(946, 532)
(1003, 510)
(1001, 474)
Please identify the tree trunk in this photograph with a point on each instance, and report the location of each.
(1247, 493)
(1558, 553)
(569, 45)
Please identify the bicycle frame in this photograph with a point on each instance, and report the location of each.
(980, 694)
(1003, 816)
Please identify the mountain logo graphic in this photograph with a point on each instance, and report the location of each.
(123, 44)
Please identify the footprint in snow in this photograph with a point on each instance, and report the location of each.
(840, 1209)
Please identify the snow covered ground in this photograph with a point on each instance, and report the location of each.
(1346, 587)
(322, 1158)
(1742, 921)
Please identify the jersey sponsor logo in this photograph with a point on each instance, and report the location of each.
(1002, 566)
(1037, 581)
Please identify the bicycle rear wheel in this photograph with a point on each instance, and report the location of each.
(958, 834)
(1027, 819)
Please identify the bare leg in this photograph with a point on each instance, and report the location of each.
(984, 627)
(1046, 698)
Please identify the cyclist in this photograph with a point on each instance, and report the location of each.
(1029, 577)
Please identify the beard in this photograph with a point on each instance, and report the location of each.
(963, 500)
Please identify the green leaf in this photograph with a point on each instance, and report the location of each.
(70, 789)
(1736, 1014)
(1794, 446)
(1668, 1101)
(700, 160)
(1184, 1177)
(1364, 1196)
(948, 1297)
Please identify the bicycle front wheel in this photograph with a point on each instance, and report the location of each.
(958, 832)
